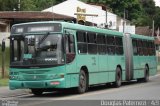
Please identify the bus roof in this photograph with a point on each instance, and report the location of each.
(77, 27)
(89, 28)
(143, 37)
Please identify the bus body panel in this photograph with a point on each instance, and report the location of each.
(140, 61)
(101, 68)
(37, 78)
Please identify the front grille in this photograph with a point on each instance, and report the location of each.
(34, 72)
(34, 77)
(34, 84)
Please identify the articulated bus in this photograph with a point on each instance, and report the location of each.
(57, 55)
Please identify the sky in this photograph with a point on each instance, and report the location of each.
(157, 2)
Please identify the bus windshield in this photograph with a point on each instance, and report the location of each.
(36, 50)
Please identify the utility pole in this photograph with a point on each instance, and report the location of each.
(153, 28)
(106, 17)
(52, 10)
(124, 16)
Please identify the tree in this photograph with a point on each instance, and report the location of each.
(139, 12)
(133, 9)
(27, 5)
(157, 17)
(8, 5)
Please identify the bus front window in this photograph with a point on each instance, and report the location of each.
(39, 50)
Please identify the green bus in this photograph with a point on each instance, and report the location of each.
(57, 55)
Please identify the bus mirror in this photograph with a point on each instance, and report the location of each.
(3, 45)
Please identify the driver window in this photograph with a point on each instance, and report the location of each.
(70, 48)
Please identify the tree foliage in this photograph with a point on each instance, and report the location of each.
(27, 5)
(139, 12)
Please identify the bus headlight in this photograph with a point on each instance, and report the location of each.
(13, 77)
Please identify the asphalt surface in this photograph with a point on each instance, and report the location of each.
(128, 91)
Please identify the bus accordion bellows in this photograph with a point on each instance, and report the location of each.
(57, 55)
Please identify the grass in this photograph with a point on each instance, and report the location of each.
(4, 82)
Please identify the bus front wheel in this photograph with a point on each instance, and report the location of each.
(82, 82)
(118, 81)
(37, 92)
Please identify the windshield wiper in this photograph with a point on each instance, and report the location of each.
(43, 38)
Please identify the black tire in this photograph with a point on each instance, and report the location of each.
(37, 92)
(83, 86)
(118, 81)
(146, 77)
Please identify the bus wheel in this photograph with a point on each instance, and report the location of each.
(37, 92)
(118, 81)
(146, 77)
(82, 82)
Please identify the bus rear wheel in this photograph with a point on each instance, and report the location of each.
(146, 74)
(37, 92)
(83, 86)
(118, 81)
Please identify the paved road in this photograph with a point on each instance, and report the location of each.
(128, 91)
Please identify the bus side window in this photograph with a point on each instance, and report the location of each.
(140, 47)
(135, 48)
(92, 40)
(119, 45)
(70, 48)
(145, 49)
(101, 42)
(81, 42)
(151, 48)
(110, 45)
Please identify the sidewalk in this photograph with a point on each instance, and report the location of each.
(6, 92)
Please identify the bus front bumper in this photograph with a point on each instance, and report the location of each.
(57, 83)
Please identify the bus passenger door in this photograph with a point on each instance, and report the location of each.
(70, 55)
(128, 56)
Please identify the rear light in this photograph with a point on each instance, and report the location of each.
(55, 83)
